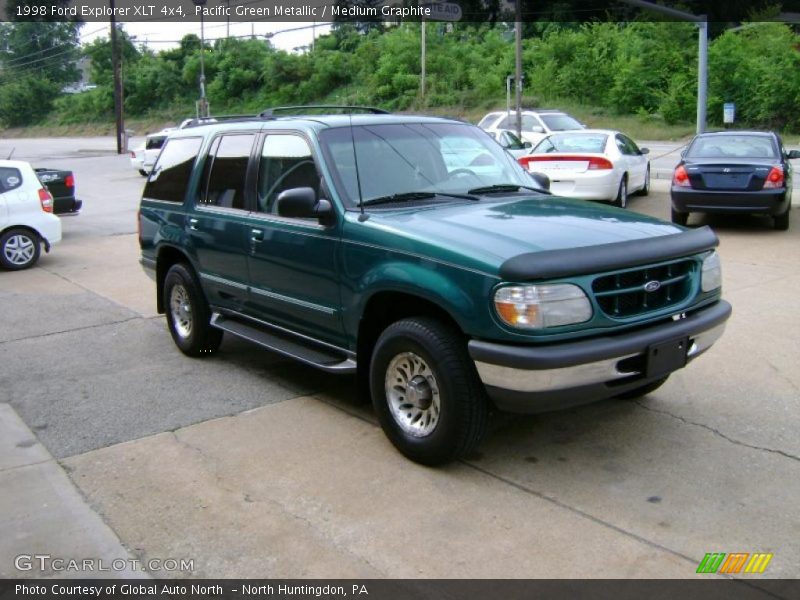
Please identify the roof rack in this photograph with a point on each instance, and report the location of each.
(323, 108)
(198, 121)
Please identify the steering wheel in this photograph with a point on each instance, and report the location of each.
(462, 171)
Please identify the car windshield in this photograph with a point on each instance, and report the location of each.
(732, 146)
(557, 122)
(397, 159)
(572, 142)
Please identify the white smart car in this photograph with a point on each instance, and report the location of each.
(27, 221)
(592, 164)
(144, 157)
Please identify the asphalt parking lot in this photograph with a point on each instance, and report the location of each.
(253, 466)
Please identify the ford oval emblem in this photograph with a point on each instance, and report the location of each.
(652, 286)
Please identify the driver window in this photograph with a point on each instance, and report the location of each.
(286, 163)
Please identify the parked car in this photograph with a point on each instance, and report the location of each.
(594, 164)
(509, 140)
(366, 244)
(61, 185)
(27, 221)
(734, 172)
(144, 157)
(535, 123)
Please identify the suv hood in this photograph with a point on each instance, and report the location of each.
(485, 234)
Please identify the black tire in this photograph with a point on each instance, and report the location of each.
(680, 218)
(431, 358)
(646, 189)
(188, 314)
(143, 173)
(622, 193)
(781, 222)
(644, 390)
(19, 249)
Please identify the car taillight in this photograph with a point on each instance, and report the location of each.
(595, 162)
(69, 181)
(775, 179)
(46, 200)
(681, 178)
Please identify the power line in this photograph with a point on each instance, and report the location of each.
(26, 56)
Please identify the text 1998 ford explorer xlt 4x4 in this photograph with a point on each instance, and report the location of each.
(412, 251)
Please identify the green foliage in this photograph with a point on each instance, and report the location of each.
(25, 100)
(647, 69)
(45, 49)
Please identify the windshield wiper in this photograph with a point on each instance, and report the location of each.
(502, 187)
(411, 196)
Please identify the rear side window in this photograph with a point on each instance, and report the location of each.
(226, 171)
(155, 142)
(10, 179)
(170, 176)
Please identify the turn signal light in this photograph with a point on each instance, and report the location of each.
(775, 179)
(46, 200)
(681, 178)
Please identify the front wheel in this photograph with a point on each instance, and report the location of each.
(646, 187)
(188, 315)
(19, 249)
(622, 194)
(426, 392)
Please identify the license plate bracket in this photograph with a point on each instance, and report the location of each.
(666, 357)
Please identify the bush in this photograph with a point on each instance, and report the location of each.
(26, 100)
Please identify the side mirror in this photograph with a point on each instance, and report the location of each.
(644, 150)
(302, 203)
(542, 181)
(527, 145)
(793, 154)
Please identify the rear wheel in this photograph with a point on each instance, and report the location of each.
(781, 222)
(680, 218)
(19, 249)
(622, 194)
(426, 392)
(188, 314)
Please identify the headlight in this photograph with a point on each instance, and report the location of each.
(711, 275)
(539, 306)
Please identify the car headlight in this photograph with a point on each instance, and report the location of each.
(711, 275)
(540, 306)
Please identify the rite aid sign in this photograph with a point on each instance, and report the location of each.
(444, 11)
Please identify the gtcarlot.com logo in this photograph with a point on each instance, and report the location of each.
(736, 562)
(49, 563)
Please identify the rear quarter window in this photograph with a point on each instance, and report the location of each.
(170, 176)
(10, 179)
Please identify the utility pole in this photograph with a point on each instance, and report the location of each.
(117, 81)
(422, 61)
(518, 65)
(202, 104)
(702, 52)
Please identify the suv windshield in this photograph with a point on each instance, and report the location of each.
(560, 122)
(441, 158)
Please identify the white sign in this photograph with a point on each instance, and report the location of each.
(444, 11)
(728, 112)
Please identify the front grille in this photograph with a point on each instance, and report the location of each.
(623, 294)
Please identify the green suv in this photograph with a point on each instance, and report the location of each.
(417, 254)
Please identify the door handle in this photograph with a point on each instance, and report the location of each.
(257, 235)
(193, 224)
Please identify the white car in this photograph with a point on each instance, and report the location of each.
(593, 164)
(509, 140)
(27, 221)
(144, 157)
(536, 124)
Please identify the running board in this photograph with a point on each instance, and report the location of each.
(283, 343)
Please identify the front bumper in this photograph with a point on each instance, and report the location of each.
(540, 378)
(767, 202)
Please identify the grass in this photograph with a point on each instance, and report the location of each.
(639, 127)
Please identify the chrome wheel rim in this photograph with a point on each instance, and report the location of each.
(623, 194)
(181, 310)
(19, 249)
(413, 394)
